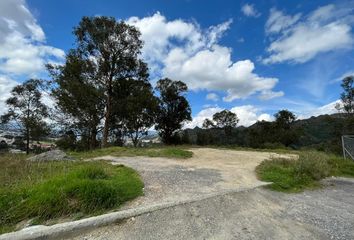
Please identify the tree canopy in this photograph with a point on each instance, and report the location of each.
(135, 108)
(27, 110)
(347, 95)
(284, 118)
(174, 108)
(225, 119)
(111, 49)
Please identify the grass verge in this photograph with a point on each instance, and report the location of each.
(45, 191)
(288, 175)
(168, 152)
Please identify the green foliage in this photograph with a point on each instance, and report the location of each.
(207, 124)
(284, 118)
(321, 133)
(347, 95)
(112, 49)
(174, 108)
(281, 172)
(135, 108)
(205, 138)
(106, 52)
(47, 190)
(79, 100)
(67, 141)
(225, 120)
(290, 175)
(26, 109)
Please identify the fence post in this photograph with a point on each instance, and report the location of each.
(343, 147)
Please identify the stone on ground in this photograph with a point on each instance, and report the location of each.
(53, 155)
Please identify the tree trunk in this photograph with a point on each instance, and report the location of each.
(93, 139)
(135, 140)
(27, 140)
(106, 122)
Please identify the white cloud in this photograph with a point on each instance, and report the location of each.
(201, 116)
(6, 85)
(181, 50)
(22, 41)
(249, 10)
(346, 74)
(212, 96)
(278, 21)
(247, 114)
(268, 94)
(299, 39)
(329, 108)
(212, 69)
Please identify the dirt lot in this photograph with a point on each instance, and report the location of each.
(208, 171)
(253, 213)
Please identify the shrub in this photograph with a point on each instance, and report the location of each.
(290, 175)
(312, 164)
(276, 145)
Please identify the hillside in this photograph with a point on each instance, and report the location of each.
(322, 132)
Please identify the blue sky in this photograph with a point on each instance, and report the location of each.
(252, 57)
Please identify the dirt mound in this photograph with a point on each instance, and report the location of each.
(54, 155)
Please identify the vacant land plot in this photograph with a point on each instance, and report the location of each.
(208, 171)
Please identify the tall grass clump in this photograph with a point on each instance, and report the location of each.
(83, 189)
(295, 175)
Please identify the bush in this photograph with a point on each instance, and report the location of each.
(290, 175)
(314, 165)
(3, 145)
(67, 141)
(275, 145)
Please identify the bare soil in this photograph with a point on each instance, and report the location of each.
(208, 171)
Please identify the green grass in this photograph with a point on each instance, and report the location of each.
(289, 175)
(168, 152)
(53, 190)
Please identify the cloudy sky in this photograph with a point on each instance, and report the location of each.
(251, 57)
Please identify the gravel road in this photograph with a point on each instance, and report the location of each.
(252, 214)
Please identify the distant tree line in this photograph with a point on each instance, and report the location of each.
(322, 133)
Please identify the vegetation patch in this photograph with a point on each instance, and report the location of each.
(50, 190)
(289, 175)
(168, 152)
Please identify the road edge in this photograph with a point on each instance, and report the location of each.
(68, 228)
